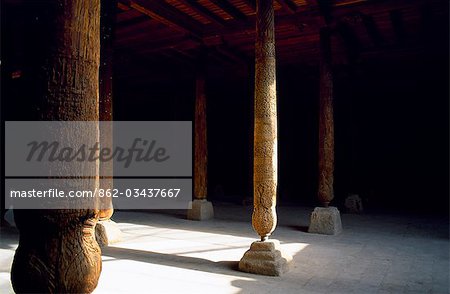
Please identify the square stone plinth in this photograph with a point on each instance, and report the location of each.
(201, 210)
(325, 220)
(107, 232)
(265, 258)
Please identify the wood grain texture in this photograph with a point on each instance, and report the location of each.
(107, 28)
(326, 122)
(57, 250)
(200, 136)
(264, 218)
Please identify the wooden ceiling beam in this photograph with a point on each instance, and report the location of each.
(233, 53)
(251, 4)
(167, 15)
(230, 9)
(132, 21)
(180, 57)
(203, 11)
(288, 5)
(180, 42)
(122, 6)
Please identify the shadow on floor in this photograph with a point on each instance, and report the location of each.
(186, 262)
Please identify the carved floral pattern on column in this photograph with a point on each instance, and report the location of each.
(264, 218)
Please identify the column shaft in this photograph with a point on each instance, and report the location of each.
(200, 137)
(57, 250)
(264, 217)
(265, 257)
(326, 122)
(108, 13)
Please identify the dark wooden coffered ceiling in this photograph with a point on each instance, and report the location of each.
(157, 39)
(159, 31)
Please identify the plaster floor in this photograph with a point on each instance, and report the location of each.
(162, 252)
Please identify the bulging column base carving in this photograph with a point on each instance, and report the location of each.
(325, 220)
(107, 232)
(201, 210)
(265, 258)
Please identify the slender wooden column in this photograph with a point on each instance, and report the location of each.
(326, 219)
(108, 15)
(200, 136)
(264, 217)
(326, 122)
(57, 250)
(201, 208)
(265, 257)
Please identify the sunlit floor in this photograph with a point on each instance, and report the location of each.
(162, 252)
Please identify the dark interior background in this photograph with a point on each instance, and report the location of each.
(391, 118)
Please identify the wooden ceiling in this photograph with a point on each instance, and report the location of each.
(178, 31)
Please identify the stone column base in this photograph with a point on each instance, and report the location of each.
(325, 220)
(265, 258)
(107, 232)
(201, 210)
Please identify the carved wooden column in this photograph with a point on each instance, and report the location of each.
(326, 123)
(108, 8)
(57, 250)
(264, 218)
(326, 220)
(264, 256)
(201, 208)
(107, 232)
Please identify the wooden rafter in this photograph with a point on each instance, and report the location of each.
(123, 7)
(203, 11)
(288, 5)
(251, 4)
(232, 52)
(230, 9)
(180, 57)
(133, 21)
(167, 15)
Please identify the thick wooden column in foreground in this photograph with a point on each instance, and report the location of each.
(265, 256)
(57, 250)
(201, 208)
(326, 219)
